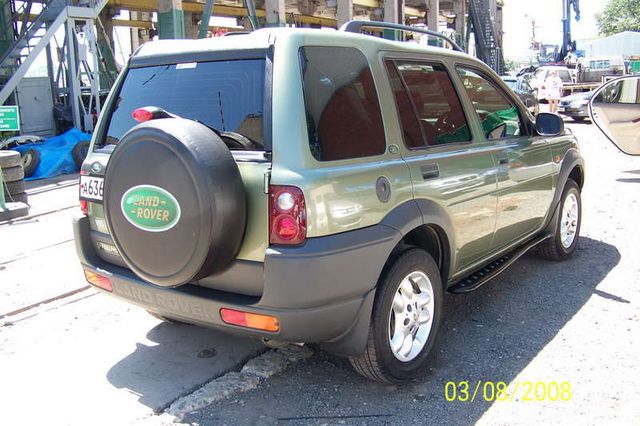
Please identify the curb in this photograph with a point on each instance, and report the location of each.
(253, 372)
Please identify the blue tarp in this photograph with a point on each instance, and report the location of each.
(55, 154)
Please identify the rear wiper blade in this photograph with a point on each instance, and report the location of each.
(159, 113)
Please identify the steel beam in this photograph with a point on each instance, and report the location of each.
(170, 19)
(204, 20)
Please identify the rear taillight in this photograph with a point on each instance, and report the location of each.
(287, 215)
(248, 319)
(84, 207)
(142, 114)
(98, 280)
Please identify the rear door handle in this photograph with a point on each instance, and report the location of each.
(430, 171)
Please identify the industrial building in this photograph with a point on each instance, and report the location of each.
(77, 39)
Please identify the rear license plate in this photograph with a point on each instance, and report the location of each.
(91, 188)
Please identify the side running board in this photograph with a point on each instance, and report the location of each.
(493, 269)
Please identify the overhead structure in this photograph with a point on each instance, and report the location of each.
(83, 64)
(482, 23)
(568, 45)
(76, 85)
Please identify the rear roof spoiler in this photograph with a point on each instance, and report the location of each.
(357, 26)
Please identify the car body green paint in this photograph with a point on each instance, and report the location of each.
(472, 188)
(150, 208)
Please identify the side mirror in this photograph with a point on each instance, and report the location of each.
(615, 110)
(548, 124)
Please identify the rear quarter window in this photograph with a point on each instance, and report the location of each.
(341, 103)
(225, 95)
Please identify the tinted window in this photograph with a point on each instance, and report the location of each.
(226, 95)
(498, 115)
(411, 130)
(565, 76)
(424, 91)
(341, 102)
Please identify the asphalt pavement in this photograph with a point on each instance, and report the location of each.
(576, 322)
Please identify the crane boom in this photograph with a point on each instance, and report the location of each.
(568, 45)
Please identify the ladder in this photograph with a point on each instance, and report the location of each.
(488, 48)
(35, 36)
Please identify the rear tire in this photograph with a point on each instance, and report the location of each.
(15, 187)
(30, 161)
(9, 158)
(567, 228)
(409, 297)
(79, 152)
(13, 174)
(20, 197)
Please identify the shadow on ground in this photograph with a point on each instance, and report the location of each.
(181, 358)
(491, 334)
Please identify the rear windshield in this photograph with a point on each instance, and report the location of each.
(224, 95)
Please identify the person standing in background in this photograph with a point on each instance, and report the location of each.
(553, 88)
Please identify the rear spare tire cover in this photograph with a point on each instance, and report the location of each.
(174, 201)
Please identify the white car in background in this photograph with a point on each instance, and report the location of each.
(542, 73)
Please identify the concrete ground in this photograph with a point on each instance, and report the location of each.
(71, 355)
(82, 357)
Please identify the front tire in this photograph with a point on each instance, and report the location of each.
(405, 319)
(565, 238)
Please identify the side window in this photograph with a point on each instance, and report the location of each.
(499, 117)
(428, 105)
(341, 102)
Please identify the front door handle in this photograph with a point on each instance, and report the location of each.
(430, 171)
(503, 159)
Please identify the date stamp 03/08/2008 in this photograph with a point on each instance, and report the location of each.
(519, 391)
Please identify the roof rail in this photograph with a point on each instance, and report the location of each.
(357, 26)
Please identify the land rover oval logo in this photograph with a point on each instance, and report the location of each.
(150, 208)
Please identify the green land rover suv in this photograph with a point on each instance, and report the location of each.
(322, 187)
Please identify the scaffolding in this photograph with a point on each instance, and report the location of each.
(76, 60)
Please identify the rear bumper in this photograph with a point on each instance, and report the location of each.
(574, 112)
(318, 293)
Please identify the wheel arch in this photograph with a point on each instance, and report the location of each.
(577, 174)
(572, 167)
(419, 223)
(424, 224)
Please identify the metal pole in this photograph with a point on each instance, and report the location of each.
(2, 205)
(253, 17)
(204, 22)
(73, 84)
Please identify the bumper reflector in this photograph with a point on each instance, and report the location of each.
(98, 280)
(246, 319)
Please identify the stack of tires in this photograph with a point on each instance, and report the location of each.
(13, 177)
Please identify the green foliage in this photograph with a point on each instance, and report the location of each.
(7, 135)
(509, 65)
(618, 16)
